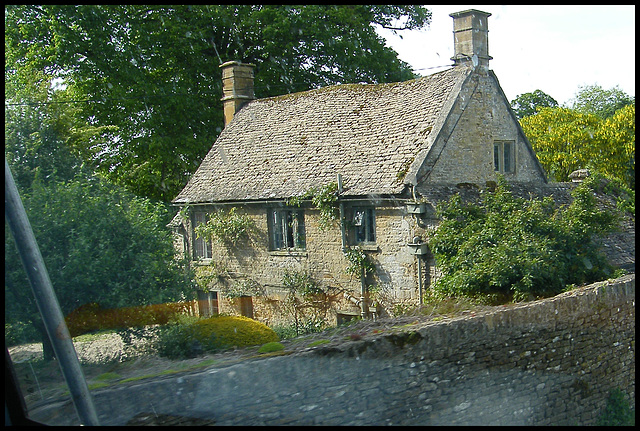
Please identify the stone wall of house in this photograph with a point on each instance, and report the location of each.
(548, 362)
(395, 282)
(479, 118)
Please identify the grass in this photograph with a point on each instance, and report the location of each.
(202, 364)
(108, 379)
(108, 376)
(447, 306)
(93, 336)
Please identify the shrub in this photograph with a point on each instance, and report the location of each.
(305, 326)
(223, 332)
(19, 333)
(175, 340)
(511, 248)
(189, 338)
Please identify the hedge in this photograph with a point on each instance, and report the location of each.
(91, 317)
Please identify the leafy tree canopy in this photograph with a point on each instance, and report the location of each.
(527, 104)
(593, 99)
(148, 76)
(566, 140)
(99, 243)
(505, 247)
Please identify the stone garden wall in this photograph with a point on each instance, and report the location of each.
(548, 362)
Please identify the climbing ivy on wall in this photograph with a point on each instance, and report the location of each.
(325, 198)
(229, 227)
(360, 265)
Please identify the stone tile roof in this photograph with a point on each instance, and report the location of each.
(283, 146)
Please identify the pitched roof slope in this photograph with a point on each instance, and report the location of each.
(283, 146)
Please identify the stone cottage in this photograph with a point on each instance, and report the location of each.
(381, 154)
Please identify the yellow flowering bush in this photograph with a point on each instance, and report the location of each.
(189, 337)
(223, 332)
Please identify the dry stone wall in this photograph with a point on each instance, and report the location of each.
(549, 362)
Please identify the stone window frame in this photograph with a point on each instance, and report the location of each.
(504, 156)
(287, 229)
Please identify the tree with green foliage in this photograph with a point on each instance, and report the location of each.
(595, 100)
(99, 244)
(507, 248)
(148, 76)
(618, 158)
(563, 139)
(566, 140)
(40, 136)
(527, 104)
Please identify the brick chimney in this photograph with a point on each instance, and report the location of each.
(470, 37)
(237, 87)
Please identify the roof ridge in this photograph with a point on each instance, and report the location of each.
(332, 87)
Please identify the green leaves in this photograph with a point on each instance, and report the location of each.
(527, 104)
(563, 140)
(229, 227)
(597, 132)
(360, 263)
(301, 282)
(507, 248)
(325, 198)
(593, 99)
(100, 244)
(566, 140)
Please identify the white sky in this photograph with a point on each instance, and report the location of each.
(555, 49)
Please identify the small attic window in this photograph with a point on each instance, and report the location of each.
(504, 157)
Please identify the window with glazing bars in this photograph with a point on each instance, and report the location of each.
(504, 156)
(364, 226)
(201, 246)
(287, 229)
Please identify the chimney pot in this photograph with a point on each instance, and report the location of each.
(470, 37)
(237, 87)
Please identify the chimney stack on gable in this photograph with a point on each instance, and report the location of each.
(237, 87)
(470, 37)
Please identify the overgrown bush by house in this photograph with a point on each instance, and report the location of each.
(507, 248)
(190, 337)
